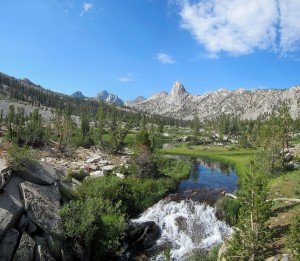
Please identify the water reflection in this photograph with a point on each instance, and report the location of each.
(209, 174)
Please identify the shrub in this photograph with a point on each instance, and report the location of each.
(22, 158)
(228, 209)
(96, 224)
(78, 175)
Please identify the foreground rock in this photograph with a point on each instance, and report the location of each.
(8, 244)
(26, 249)
(42, 205)
(41, 173)
(142, 235)
(11, 207)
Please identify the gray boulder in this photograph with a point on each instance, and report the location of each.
(42, 205)
(8, 244)
(42, 173)
(31, 227)
(22, 224)
(25, 250)
(11, 207)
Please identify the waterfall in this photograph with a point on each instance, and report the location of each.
(186, 225)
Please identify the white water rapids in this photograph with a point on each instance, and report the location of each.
(186, 225)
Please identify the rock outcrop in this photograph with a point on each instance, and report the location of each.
(25, 250)
(30, 224)
(242, 103)
(8, 244)
(42, 205)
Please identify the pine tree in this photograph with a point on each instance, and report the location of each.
(10, 121)
(195, 125)
(251, 236)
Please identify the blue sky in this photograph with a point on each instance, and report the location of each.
(138, 47)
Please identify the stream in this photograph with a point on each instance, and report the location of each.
(187, 218)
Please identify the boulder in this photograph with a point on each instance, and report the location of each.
(142, 235)
(95, 159)
(42, 205)
(121, 176)
(8, 244)
(107, 169)
(31, 227)
(41, 173)
(11, 207)
(5, 176)
(25, 250)
(22, 224)
(98, 173)
(103, 162)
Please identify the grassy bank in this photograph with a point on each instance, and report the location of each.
(236, 157)
(284, 185)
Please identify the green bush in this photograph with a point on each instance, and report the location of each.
(22, 158)
(229, 208)
(96, 224)
(134, 195)
(78, 175)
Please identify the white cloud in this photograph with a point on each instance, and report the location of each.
(165, 58)
(289, 25)
(86, 7)
(242, 26)
(126, 78)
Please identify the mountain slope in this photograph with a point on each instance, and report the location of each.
(78, 95)
(110, 98)
(243, 103)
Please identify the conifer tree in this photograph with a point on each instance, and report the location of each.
(251, 236)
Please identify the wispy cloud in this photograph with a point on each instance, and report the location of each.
(241, 26)
(165, 58)
(126, 78)
(86, 7)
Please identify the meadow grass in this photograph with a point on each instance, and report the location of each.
(237, 157)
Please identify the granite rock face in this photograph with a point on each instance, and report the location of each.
(8, 244)
(11, 207)
(30, 224)
(42, 205)
(247, 104)
(25, 250)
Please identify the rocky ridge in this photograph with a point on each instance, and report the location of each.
(242, 103)
(110, 98)
(78, 95)
(30, 199)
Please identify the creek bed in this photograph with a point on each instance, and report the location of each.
(187, 219)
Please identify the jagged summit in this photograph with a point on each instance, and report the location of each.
(109, 98)
(178, 93)
(247, 104)
(138, 99)
(78, 94)
(178, 89)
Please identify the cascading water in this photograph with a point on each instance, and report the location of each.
(186, 225)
